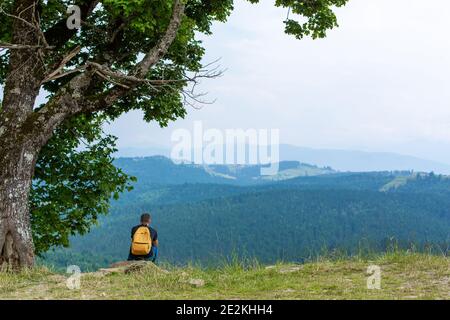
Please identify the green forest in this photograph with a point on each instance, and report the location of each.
(208, 215)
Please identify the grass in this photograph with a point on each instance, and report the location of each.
(403, 276)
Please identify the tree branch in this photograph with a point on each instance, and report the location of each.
(34, 24)
(12, 46)
(59, 70)
(72, 98)
(161, 48)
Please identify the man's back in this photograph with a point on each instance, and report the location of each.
(145, 222)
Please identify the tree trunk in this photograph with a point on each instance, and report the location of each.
(16, 243)
(18, 151)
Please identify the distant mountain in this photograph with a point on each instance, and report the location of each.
(361, 161)
(132, 152)
(341, 160)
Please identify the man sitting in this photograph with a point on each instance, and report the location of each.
(144, 241)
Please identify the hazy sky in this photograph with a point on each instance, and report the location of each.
(380, 82)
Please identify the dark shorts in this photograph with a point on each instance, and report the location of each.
(132, 257)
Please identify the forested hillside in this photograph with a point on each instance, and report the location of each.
(288, 220)
(159, 170)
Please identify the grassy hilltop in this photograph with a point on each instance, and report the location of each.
(403, 276)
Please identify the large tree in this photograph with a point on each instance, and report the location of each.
(56, 170)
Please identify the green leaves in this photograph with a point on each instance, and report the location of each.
(74, 180)
(313, 18)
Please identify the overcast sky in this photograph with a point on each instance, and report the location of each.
(380, 82)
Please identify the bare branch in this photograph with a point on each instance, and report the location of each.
(34, 24)
(59, 70)
(126, 81)
(18, 17)
(111, 80)
(13, 46)
(120, 78)
(114, 74)
(63, 74)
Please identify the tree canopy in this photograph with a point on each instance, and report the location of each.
(128, 55)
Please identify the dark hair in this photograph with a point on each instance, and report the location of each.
(145, 217)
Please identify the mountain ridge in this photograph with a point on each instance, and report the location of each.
(338, 159)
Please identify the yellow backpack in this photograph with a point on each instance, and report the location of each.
(142, 242)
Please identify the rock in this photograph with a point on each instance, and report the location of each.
(197, 282)
(110, 270)
(121, 264)
(136, 267)
(139, 266)
(127, 267)
(285, 269)
(290, 269)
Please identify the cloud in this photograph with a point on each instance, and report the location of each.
(378, 82)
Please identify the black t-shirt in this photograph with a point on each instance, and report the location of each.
(153, 235)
